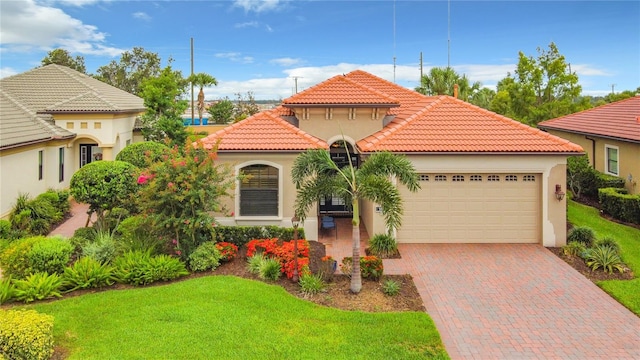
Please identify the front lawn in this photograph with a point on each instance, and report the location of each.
(224, 317)
(626, 292)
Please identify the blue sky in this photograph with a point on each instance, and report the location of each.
(261, 46)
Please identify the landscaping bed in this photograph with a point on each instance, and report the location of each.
(598, 275)
(337, 293)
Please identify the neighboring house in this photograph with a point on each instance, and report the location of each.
(484, 178)
(610, 135)
(54, 120)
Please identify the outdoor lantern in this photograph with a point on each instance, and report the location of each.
(295, 221)
(559, 192)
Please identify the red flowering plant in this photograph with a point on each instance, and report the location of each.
(262, 246)
(283, 252)
(371, 267)
(228, 251)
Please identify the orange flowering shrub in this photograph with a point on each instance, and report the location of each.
(228, 251)
(371, 267)
(284, 253)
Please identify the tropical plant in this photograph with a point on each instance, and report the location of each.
(34, 216)
(391, 287)
(371, 267)
(87, 273)
(573, 248)
(102, 249)
(610, 242)
(581, 234)
(7, 290)
(205, 257)
(201, 80)
(315, 176)
(254, 263)
(270, 269)
(441, 81)
(38, 286)
(141, 268)
(606, 258)
(137, 233)
(311, 284)
(383, 245)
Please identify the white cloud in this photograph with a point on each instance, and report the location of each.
(27, 25)
(269, 28)
(247, 24)
(259, 6)
(588, 70)
(7, 71)
(235, 57)
(78, 3)
(286, 61)
(141, 15)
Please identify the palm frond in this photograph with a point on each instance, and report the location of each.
(388, 164)
(382, 191)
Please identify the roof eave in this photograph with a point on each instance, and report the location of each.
(379, 105)
(91, 111)
(566, 153)
(33, 142)
(545, 127)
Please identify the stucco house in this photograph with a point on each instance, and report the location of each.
(484, 178)
(54, 120)
(610, 135)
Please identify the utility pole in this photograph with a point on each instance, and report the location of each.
(421, 75)
(612, 87)
(295, 79)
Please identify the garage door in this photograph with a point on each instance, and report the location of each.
(472, 208)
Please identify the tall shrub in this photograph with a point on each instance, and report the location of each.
(143, 154)
(180, 193)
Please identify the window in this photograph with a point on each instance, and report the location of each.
(424, 177)
(475, 178)
(611, 155)
(440, 178)
(305, 113)
(511, 178)
(61, 164)
(352, 113)
(40, 164)
(530, 178)
(457, 178)
(259, 191)
(493, 177)
(328, 113)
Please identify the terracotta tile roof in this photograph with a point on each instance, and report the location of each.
(620, 120)
(263, 131)
(451, 125)
(340, 90)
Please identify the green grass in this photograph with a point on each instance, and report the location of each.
(226, 317)
(626, 292)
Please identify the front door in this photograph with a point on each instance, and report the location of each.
(88, 153)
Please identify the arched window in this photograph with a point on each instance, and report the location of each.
(259, 191)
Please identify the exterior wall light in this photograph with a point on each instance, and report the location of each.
(559, 193)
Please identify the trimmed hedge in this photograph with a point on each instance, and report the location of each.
(25, 334)
(143, 154)
(240, 235)
(601, 181)
(620, 205)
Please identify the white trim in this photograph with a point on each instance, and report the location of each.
(606, 159)
(340, 137)
(280, 190)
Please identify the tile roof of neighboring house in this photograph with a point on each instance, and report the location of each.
(21, 126)
(263, 131)
(55, 88)
(28, 99)
(619, 120)
(422, 124)
(340, 90)
(447, 124)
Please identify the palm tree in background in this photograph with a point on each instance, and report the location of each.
(201, 80)
(315, 176)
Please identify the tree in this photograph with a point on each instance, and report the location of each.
(542, 88)
(245, 106)
(105, 186)
(180, 193)
(143, 154)
(133, 68)
(222, 111)
(315, 175)
(163, 97)
(441, 81)
(201, 80)
(62, 57)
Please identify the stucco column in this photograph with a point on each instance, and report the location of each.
(107, 153)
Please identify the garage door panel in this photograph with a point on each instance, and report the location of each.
(473, 211)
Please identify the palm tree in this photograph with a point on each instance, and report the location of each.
(201, 80)
(315, 175)
(440, 81)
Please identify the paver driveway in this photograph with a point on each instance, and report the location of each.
(494, 301)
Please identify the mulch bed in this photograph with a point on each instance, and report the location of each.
(579, 264)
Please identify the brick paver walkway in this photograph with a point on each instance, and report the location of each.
(77, 220)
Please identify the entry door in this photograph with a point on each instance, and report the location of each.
(86, 153)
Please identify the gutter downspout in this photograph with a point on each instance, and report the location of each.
(593, 150)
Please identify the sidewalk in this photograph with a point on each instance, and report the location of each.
(77, 220)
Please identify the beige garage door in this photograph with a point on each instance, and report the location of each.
(472, 208)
